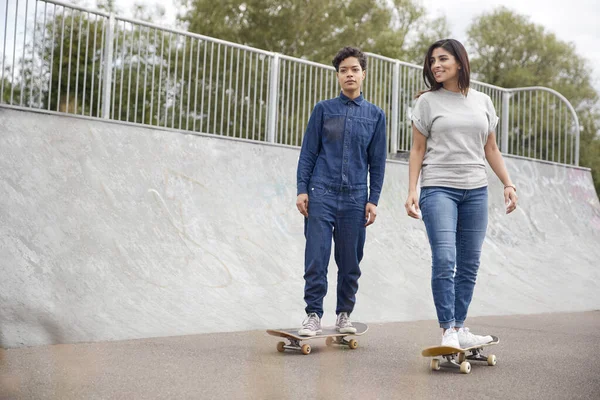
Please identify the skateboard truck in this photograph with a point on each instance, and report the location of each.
(462, 363)
(306, 349)
(294, 345)
(330, 341)
(464, 366)
(476, 355)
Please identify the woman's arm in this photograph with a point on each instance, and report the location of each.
(494, 158)
(415, 162)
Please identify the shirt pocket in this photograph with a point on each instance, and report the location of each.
(364, 130)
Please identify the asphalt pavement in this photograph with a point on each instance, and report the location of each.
(542, 356)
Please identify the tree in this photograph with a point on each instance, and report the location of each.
(63, 66)
(314, 30)
(590, 144)
(510, 51)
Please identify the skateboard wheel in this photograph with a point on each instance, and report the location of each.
(353, 344)
(461, 357)
(305, 349)
(329, 341)
(492, 360)
(465, 367)
(435, 364)
(280, 347)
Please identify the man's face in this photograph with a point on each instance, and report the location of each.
(350, 74)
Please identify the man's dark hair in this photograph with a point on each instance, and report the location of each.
(349, 52)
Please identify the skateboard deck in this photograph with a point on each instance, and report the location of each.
(450, 354)
(331, 335)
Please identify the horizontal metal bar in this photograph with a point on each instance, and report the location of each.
(194, 35)
(306, 62)
(76, 7)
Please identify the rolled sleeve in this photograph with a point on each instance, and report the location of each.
(421, 116)
(491, 115)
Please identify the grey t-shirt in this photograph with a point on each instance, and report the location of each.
(457, 128)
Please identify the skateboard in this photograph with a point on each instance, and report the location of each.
(450, 354)
(331, 335)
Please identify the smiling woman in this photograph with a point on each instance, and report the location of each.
(453, 135)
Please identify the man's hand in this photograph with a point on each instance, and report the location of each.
(370, 213)
(302, 204)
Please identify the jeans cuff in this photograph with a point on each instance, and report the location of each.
(447, 325)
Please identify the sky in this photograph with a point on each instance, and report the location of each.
(575, 21)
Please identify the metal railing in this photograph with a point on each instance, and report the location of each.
(65, 58)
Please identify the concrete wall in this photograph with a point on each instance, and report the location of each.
(112, 231)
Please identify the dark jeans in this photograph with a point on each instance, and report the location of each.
(337, 213)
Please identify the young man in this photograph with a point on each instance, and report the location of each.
(344, 142)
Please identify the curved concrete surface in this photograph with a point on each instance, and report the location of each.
(112, 231)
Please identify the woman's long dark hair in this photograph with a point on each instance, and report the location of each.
(455, 48)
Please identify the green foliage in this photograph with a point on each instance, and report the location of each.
(315, 30)
(510, 51)
(590, 144)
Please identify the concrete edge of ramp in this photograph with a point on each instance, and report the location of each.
(112, 231)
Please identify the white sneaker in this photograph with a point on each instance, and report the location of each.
(343, 324)
(450, 338)
(467, 339)
(311, 325)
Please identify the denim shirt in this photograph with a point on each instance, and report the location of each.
(344, 140)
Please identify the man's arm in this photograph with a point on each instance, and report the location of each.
(311, 146)
(377, 152)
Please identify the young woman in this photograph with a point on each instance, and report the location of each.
(453, 134)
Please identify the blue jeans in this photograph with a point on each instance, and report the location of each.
(336, 213)
(456, 222)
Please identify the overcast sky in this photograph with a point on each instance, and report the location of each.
(575, 21)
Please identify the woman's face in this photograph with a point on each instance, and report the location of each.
(443, 65)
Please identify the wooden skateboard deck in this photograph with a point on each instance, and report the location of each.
(331, 335)
(451, 353)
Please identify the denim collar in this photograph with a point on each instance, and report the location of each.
(345, 99)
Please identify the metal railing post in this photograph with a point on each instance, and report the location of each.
(577, 136)
(505, 111)
(107, 78)
(273, 99)
(395, 108)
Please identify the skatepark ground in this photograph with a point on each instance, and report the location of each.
(541, 356)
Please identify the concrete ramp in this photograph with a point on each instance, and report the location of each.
(114, 231)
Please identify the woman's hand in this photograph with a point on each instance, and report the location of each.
(510, 199)
(412, 205)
